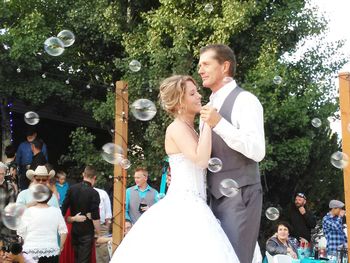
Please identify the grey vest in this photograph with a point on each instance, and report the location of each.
(234, 164)
(135, 202)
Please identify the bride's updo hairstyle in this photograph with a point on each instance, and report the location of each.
(172, 91)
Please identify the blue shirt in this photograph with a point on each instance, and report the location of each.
(334, 232)
(142, 195)
(62, 191)
(24, 155)
(26, 196)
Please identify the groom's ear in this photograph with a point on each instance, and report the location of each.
(226, 67)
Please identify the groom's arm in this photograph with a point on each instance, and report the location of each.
(245, 132)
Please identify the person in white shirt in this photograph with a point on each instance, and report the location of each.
(39, 227)
(102, 254)
(236, 118)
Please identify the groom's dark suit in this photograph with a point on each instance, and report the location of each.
(239, 215)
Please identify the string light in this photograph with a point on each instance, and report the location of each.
(9, 106)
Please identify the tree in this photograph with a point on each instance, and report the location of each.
(165, 37)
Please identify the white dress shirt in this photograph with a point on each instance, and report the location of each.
(245, 133)
(105, 205)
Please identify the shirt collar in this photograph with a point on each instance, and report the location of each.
(223, 91)
(148, 188)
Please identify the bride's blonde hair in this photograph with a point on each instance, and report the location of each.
(172, 91)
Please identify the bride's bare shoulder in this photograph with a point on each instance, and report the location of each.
(175, 126)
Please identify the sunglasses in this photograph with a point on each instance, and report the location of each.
(41, 180)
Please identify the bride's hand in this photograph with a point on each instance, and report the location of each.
(210, 115)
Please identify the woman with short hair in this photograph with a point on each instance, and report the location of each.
(281, 243)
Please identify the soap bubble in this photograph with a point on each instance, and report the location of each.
(67, 81)
(112, 153)
(11, 215)
(277, 80)
(229, 187)
(134, 65)
(43, 76)
(316, 122)
(214, 165)
(208, 8)
(31, 118)
(340, 160)
(272, 213)
(40, 192)
(125, 164)
(67, 37)
(18, 70)
(54, 46)
(143, 109)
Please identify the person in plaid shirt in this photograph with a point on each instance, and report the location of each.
(333, 226)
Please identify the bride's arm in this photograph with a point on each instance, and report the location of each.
(197, 152)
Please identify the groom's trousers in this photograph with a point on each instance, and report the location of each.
(240, 219)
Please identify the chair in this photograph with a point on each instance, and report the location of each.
(278, 258)
(282, 259)
(269, 257)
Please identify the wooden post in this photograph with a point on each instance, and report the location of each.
(344, 99)
(121, 139)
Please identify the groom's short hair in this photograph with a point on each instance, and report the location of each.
(223, 53)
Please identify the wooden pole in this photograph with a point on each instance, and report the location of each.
(344, 99)
(121, 139)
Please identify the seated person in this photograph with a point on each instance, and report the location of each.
(281, 243)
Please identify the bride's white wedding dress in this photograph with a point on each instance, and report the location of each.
(180, 228)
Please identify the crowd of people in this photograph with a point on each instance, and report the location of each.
(73, 222)
(296, 232)
(61, 222)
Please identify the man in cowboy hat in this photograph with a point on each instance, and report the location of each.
(40, 175)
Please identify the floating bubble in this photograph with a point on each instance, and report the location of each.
(11, 215)
(143, 109)
(277, 80)
(31, 118)
(134, 65)
(67, 37)
(340, 160)
(43, 76)
(67, 81)
(272, 213)
(112, 153)
(214, 165)
(125, 164)
(208, 8)
(316, 122)
(161, 196)
(40, 192)
(18, 70)
(88, 86)
(229, 187)
(54, 46)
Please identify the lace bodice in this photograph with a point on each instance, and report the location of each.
(186, 178)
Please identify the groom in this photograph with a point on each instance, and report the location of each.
(236, 117)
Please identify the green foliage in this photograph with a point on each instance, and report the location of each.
(165, 37)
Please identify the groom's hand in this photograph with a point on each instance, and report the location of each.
(210, 115)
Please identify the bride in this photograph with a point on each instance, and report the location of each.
(181, 227)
